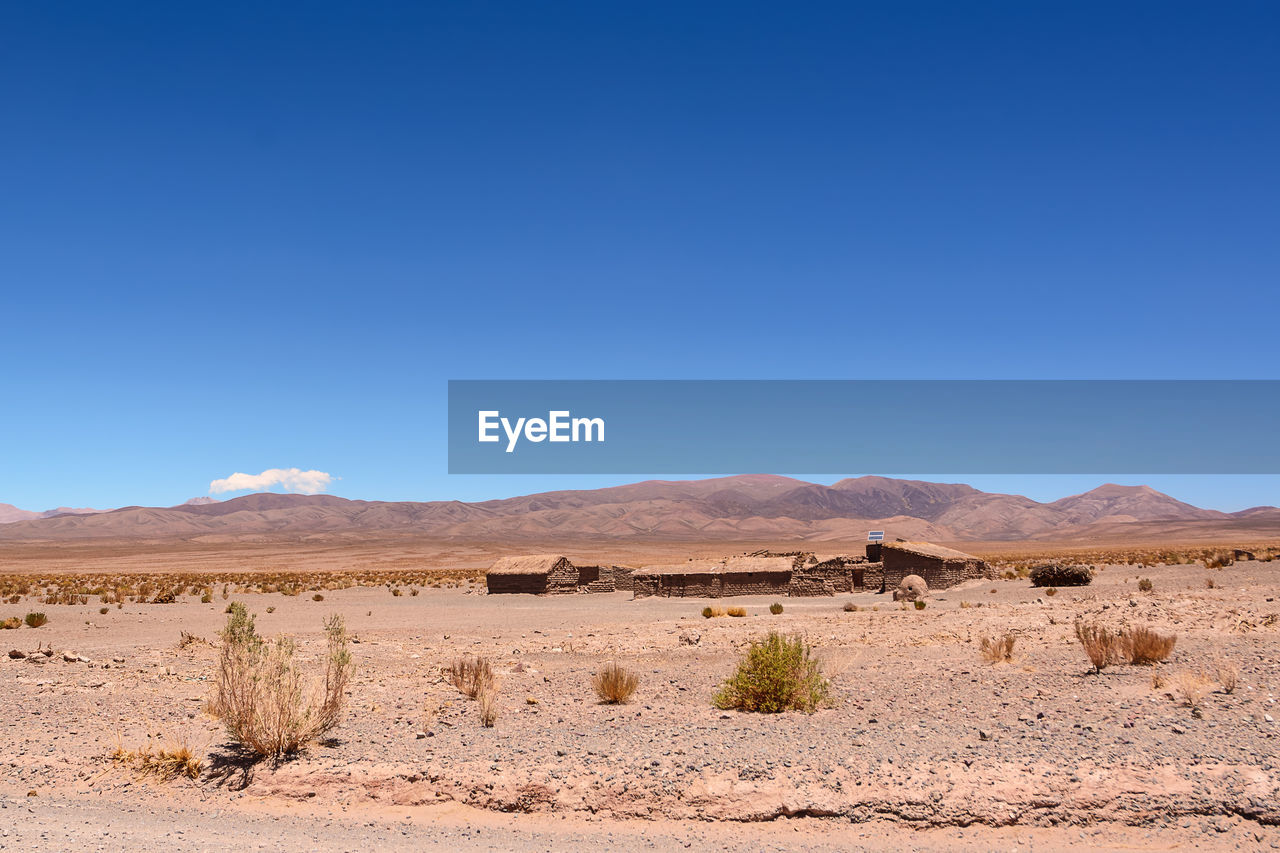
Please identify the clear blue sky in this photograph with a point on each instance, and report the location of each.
(241, 236)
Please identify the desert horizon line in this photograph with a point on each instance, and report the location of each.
(66, 509)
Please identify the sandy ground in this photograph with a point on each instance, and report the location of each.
(928, 747)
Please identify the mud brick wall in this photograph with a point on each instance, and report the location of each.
(528, 584)
(872, 576)
(622, 578)
(937, 572)
(809, 585)
(836, 575)
(563, 578)
(595, 579)
(755, 583)
(643, 586)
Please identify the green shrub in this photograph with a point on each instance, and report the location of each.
(919, 605)
(35, 620)
(778, 674)
(775, 608)
(261, 693)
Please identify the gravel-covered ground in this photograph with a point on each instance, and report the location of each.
(927, 746)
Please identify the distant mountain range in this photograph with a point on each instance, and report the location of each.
(743, 508)
(10, 513)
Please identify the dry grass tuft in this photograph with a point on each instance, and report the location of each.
(186, 640)
(615, 684)
(997, 649)
(711, 612)
(261, 695)
(487, 699)
(11, 623)
(1142, 646)
(737, 611)
(1191, 687)
(1226, 672)
(471, 675)
(174, 759)
(1100, 644)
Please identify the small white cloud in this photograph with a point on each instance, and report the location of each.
(290, 479)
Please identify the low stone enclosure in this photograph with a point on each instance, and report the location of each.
(553, 574)
(794, 573)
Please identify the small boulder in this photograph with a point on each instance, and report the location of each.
(17, 654)
(690, 638)
(912, 588)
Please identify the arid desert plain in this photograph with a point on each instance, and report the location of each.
(923, 744)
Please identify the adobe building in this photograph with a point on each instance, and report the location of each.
(751, 575)
(535, 574)
(940, 567)
(553, 574)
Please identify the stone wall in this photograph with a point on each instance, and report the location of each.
(872, 577)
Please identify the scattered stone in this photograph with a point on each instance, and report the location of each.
(16, 654)
(690, 638)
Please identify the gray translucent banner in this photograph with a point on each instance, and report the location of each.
(838, 426)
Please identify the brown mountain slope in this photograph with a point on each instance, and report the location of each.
(754, 507)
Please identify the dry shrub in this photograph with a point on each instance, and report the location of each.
(1219, 559)
(1157, 677)
(737, 611)
(1061, 574)
(1226, 672)
(778, 674)
(1145, 585)
(488, 701)
(186, 641)
(1143, 646)
(1210, 583)
(11, 623)
(615, 684)
(1191, 687)
(35, 620)
(711, 612)
(1100, 644)
(261, 694)
(850, 607)
(471, 675)
(997, 649)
